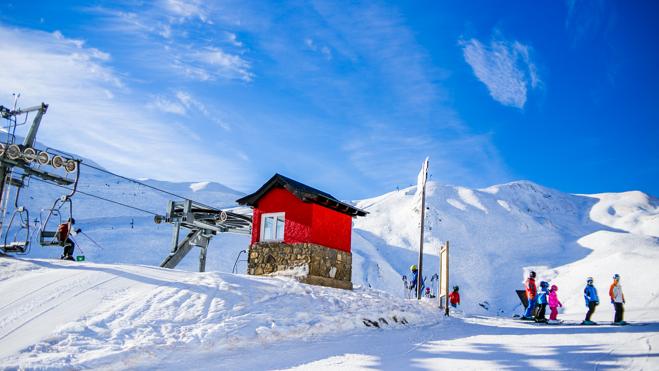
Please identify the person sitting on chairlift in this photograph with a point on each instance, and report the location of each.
(65, 230)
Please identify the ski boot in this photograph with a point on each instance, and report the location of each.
(589, 323)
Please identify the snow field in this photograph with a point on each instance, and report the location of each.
(73, 315)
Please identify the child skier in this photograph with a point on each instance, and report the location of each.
(454, 297)
(617, 299)
(554, 303)
(531, 293)
(542, 302)
(592, 300)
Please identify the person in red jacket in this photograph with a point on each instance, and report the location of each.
(454, 297)
(64, 231)
(531, 293)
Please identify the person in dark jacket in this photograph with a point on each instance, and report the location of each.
(592, 300)
(542, 300)
(531, 292)
(64, 233)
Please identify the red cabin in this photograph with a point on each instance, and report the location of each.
(290, 212)
(302, 222)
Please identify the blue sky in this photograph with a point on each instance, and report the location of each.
(349, 97)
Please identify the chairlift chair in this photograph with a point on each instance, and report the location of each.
(47, 234)
(18, 245)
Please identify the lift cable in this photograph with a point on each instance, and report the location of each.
(101, 198)
(147, 185)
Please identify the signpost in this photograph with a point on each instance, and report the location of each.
(442, 295)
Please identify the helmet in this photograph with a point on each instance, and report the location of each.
(72, 221)
(544, 284)
(554, 288)
(616, 276)
(532, 274)
(589, 280)
(413, 268)
(456, 288)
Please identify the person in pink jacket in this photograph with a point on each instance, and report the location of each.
(554, 303)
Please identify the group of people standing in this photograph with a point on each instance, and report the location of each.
(538, 301)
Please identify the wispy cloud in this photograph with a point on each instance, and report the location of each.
(182, 103)
(180, 36)
(324, 50)
(212, 62)
(95, 114)
(505, 67)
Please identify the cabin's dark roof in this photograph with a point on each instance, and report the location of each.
(304, 193)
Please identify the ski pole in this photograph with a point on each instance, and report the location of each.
(77, 244)
(91, 239)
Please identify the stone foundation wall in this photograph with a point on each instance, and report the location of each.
(326, 267)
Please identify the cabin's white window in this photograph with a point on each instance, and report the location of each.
(272, 227)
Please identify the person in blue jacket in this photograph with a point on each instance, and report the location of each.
(415, 276)
(592, 300)
(542, 300)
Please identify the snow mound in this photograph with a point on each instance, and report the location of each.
(195, 187)
(79, 315)
(633, 212)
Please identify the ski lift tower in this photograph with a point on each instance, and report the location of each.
(19, 162)
(202, 223)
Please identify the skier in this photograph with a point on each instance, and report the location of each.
(617, 299)
(542, 299)
(531, 293)
(554, 303)
(592, 300)
(415, 275)
(454, 297)
(64, 231)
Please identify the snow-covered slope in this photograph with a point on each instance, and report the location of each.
(66, 315)
(128, 235)
(499, 233)
(496, 235)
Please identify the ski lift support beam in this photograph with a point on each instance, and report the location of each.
(7, 164)
(202, 224)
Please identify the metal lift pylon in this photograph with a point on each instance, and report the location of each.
(202, 224)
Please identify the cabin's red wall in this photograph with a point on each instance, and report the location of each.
(297, 227)
(305, 222)
(331, 228)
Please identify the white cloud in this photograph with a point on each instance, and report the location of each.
(213, 62)
(187, 9)
(93, 113)
(233, 40)
(166, 32)
(324, 50)
(183, 103)
(504, 67)
(168, 106)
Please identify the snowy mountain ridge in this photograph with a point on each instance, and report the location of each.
(496, 233)
(500, 232)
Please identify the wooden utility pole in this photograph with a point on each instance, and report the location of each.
(421, 182)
